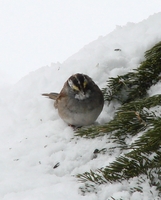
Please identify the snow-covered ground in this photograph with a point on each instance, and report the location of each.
(39, 154)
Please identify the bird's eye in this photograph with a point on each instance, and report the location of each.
(75, 87)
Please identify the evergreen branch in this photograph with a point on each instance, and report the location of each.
(154, 52)
(134, 85)
(133, 117)
(151, 140)
(141, 160)
(147, 102)
(129, 119)
(125, 167)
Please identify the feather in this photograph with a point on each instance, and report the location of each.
(51, 95)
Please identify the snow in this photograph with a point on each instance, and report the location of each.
(40, 155)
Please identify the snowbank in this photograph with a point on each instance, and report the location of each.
(39, 153)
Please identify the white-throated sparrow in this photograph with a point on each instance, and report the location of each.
(80, 101)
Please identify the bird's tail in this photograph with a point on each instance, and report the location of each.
(51, 95)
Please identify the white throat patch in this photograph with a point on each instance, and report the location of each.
(81, 96)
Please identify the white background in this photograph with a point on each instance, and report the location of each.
(36, 33)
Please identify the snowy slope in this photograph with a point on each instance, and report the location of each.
(39, 153)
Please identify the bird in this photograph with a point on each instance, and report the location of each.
(80, 101)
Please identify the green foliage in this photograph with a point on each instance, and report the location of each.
(134, 85)
(130, 119)
(135, 120)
